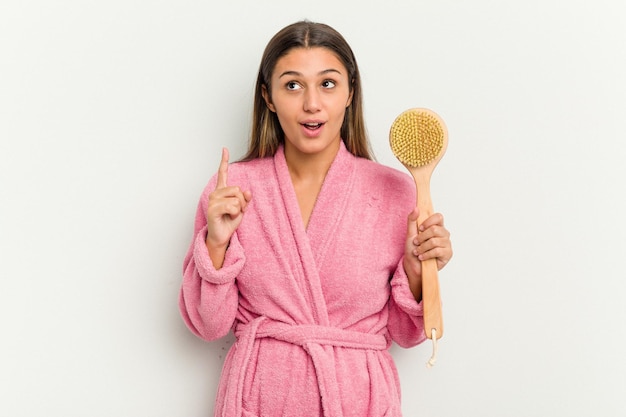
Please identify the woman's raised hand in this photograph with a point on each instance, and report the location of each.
(224, 213)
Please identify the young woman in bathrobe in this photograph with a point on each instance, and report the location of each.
(307, 249)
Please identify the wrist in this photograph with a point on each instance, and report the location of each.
(217, 252)
(414, 278)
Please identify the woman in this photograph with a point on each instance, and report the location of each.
(304, 248)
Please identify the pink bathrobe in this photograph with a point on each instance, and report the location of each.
(314, 310)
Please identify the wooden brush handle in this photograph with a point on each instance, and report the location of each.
(433, 318)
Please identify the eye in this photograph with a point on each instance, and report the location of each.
(328, 84)
(292, 86)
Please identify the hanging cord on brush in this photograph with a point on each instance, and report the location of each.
(433, 358)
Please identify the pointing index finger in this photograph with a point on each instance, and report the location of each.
(222, 172)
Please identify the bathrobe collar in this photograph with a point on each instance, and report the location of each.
(314, 242)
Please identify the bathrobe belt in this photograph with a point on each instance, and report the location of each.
(316, 340)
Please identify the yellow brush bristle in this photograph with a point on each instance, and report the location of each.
(416, 138)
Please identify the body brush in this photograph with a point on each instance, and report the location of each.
(418, 138)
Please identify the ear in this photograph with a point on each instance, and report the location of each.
(266, 97)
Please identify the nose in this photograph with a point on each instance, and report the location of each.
(312, 100)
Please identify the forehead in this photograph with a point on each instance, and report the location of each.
(309, 61)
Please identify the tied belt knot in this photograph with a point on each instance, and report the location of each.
(316, 340)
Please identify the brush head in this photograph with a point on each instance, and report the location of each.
(418, 137)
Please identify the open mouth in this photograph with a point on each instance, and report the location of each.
(312, 126)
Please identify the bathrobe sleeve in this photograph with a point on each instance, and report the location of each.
(406, 315)
(209, 297)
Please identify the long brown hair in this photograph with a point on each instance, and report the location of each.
(266, 133)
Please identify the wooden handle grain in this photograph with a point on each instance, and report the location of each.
(433, 317)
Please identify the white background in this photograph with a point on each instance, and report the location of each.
(112, 115)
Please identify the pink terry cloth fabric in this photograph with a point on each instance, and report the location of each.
(314, 310)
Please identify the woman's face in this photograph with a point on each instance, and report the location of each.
(309, 94)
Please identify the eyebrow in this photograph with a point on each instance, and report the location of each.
(298, 74)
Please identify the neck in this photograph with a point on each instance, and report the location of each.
(309, 167)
